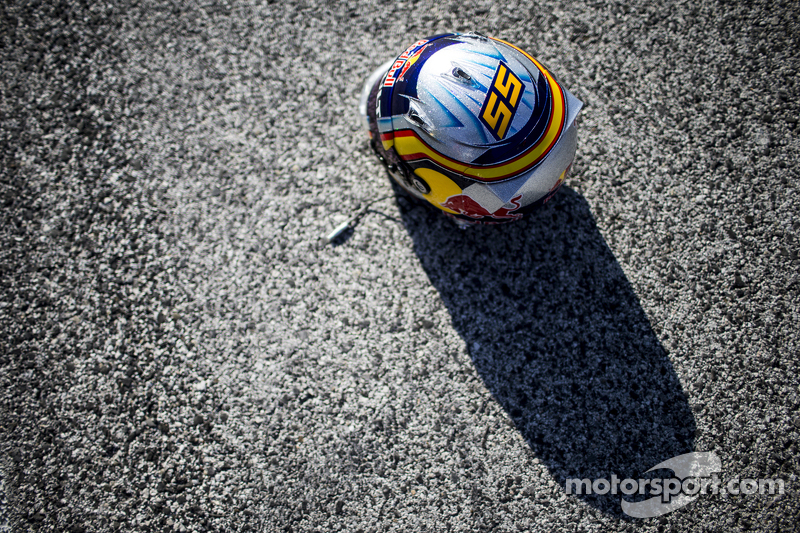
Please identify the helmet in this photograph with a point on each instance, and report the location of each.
(473, 125)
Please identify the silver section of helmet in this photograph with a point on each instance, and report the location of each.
(451, 88)
(484, 196)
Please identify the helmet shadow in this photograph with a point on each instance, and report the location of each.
(560, 340)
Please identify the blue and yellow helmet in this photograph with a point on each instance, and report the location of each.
(473, 125)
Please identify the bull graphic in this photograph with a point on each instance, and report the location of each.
(465, 205)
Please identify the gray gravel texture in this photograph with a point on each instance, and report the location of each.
(181, 351)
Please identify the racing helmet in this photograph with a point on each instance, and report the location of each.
(473, 125)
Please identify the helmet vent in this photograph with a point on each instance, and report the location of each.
(414, 117)
(476, 35)
(459, 73)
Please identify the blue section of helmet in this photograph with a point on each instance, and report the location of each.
(524, 75)
(408, 84)
(479, 102)
(526, 101)
(451, 121)
(487, 64)
(494, 53)
(476, 124)
(385, 96)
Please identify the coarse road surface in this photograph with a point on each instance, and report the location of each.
(181, 350)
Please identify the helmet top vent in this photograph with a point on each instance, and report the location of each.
(461, 74)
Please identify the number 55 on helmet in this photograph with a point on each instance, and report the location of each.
(473, 125)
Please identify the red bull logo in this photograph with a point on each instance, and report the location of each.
(407, 58)
(464, 205)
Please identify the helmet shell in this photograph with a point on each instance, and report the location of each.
(474, 125)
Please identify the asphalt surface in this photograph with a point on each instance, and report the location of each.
(182, 351)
